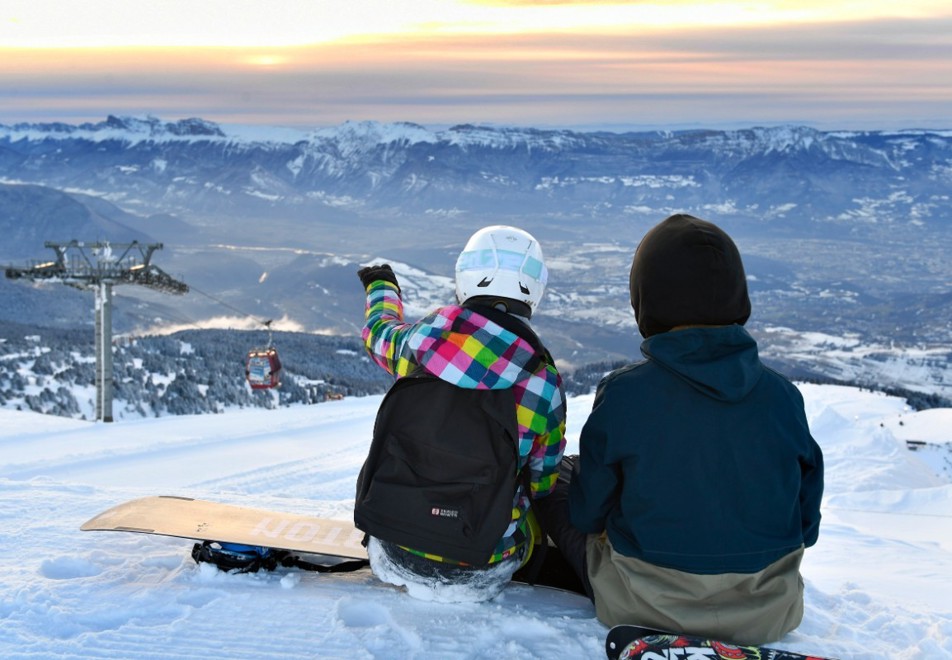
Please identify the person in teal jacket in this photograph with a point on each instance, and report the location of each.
(698, 483)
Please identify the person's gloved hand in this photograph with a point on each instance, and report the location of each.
(369, 274)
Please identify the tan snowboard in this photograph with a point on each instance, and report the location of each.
(202, 520)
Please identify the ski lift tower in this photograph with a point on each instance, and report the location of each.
(100, 266)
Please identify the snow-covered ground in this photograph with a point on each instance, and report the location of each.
(878, 583)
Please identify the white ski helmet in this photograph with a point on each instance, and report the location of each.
(502, 262)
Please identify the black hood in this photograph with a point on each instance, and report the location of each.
(687, 272)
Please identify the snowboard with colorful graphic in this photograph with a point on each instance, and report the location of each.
(626, 642)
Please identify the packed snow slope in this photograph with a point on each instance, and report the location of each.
(877, 582)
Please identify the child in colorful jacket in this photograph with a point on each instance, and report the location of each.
(483, 342)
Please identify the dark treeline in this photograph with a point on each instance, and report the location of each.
(53, 371)
(916, 400)
(188, 372)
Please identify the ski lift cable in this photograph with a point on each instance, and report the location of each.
(178, 316)
(266, 324)
(221, 302)
(182, 319)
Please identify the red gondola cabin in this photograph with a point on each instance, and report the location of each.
(263, 368)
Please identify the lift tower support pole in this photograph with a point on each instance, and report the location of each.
(100, 266)
(104, 376)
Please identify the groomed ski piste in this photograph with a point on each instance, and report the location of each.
(878, 582)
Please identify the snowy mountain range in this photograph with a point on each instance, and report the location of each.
(793, 176)
(845, 235)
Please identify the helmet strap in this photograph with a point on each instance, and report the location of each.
(507, 305)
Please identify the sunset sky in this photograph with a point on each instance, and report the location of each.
(547, 63)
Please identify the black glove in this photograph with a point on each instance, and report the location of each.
(384, 272)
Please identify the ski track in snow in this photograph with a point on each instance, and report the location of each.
(877, 583)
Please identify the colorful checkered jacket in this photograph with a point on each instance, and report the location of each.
(480, 354)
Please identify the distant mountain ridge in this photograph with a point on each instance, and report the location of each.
(845, 234)
(373, 169)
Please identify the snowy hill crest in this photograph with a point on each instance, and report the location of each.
(876, 583)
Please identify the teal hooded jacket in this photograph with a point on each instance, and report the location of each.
(699, 458)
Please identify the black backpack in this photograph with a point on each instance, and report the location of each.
(442, 470)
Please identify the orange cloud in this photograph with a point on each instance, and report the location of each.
(887, 71)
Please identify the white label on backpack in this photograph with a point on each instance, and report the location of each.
(444, 513)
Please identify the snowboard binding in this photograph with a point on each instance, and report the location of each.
(240, 558)
(237, 557)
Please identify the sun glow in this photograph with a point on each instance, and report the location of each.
(266, 61)
(295, 63)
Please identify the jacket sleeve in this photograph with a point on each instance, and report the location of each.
(594, 489)
(811, 492)
(385, 331)
(545, 457)
(811, 470)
